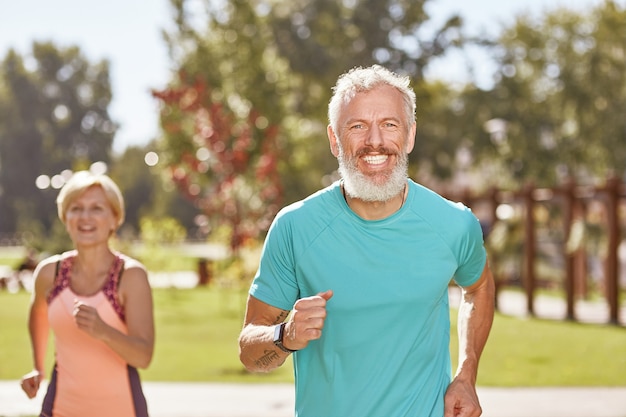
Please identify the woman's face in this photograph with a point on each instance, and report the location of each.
(89, 219)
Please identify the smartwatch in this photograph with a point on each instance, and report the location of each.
(279, 331)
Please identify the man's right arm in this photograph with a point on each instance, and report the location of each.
(257, 351)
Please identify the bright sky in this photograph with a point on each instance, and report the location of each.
(128, 34)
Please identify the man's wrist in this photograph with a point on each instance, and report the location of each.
(279, 333)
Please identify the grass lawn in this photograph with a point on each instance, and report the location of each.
(197, 341)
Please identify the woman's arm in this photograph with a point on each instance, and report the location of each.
(38, 327)
(136, 347)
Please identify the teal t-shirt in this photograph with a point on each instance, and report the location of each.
(384, 350)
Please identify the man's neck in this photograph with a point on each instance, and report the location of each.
(376, 210)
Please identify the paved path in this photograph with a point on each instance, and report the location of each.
(276, 400)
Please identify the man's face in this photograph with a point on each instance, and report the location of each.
(372, 144)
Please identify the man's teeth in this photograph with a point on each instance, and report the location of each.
(375, 159)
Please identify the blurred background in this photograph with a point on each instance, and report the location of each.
(211, 115)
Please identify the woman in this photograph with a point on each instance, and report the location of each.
(99, 305)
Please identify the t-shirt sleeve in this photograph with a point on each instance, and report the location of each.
(471, 251)
(275, 281)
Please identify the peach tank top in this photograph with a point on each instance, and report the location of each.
(89, 378)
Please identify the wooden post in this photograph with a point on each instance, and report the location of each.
(204, 272)
(581, 288)
(569, 253)
(612, 262)
(529, 248)
(493, 260)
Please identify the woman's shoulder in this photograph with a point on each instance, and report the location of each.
(133, 278)
(45, 272)
(133, 266)
(48, 265)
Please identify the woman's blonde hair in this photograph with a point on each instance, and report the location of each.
(80, 182)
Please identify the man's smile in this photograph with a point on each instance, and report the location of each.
(375, 159)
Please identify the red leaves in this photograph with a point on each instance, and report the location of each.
(229, 165)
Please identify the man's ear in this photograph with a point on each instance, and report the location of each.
(410, 142)
(332, 139)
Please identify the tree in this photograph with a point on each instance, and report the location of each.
(53, 117)
(137, 184)
(224, 162)
(147, 193)
(282, 59)
(372, 32)
(560, 93)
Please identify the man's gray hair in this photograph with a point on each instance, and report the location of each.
(361, 79)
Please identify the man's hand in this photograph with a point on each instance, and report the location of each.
(307, 321)
(461, 400)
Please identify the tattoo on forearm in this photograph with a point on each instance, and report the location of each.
(267, 359)
(281, 317)
(269, 355)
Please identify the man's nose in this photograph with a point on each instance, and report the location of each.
(374, 137)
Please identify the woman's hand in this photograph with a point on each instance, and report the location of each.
(88, 320)
(30, 383)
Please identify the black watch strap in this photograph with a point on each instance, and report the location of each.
(279, 332)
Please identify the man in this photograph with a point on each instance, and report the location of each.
(363, 267)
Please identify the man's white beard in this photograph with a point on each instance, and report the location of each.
(358, 185)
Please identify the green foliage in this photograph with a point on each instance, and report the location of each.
(560, 90)
(56, 240)
(282, 58)
(197, 334)
(139, 186)
(53, 117)
(162, 230)
(159, 236)
(227, 163)
(447, 123)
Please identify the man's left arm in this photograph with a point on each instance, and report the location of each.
(474, 323)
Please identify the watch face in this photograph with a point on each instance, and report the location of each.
(277, 335)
